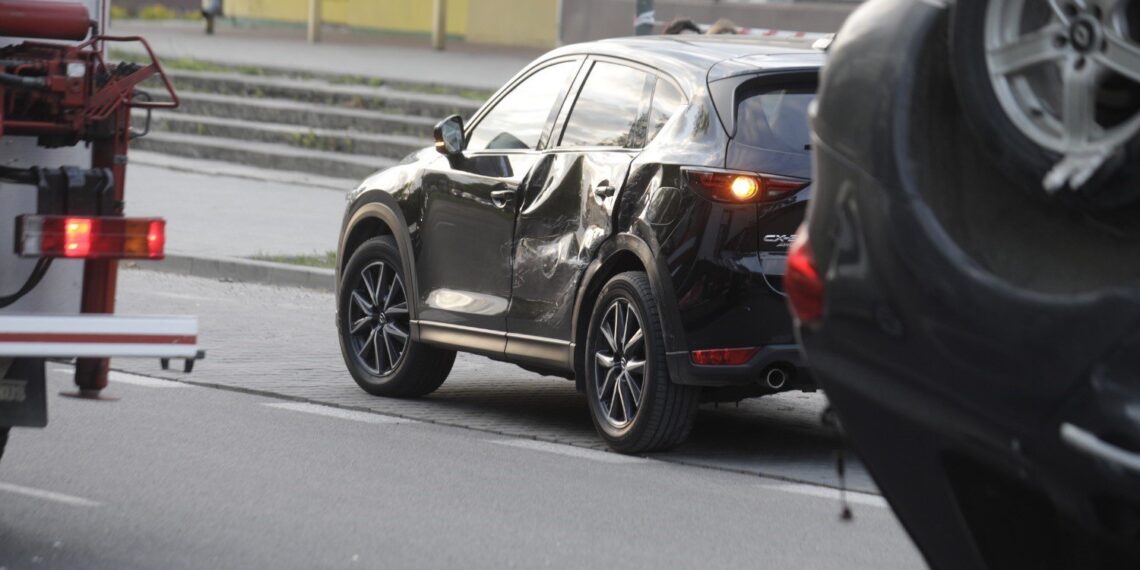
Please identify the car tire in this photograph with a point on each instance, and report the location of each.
(1011, 146)
(636, 408)
(3, 439)
(374, 328)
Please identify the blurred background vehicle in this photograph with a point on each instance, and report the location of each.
(967, 284)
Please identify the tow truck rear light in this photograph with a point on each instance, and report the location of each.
(90, 237)
(723, 356)
(802, 282)
(741, 187)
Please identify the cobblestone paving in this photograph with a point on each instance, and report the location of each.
(282, 341)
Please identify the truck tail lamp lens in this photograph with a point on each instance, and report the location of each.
(723, 356)
(91, 237)
(802, 282)
(741, 187)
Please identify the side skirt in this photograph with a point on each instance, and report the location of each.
(535, 353)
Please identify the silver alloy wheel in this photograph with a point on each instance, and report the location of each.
(1048, 62)
(378, 317)
(619, 363)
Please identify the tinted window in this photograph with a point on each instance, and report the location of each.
(776, 119)
(666, 100)
(517, 120)
(607, 109)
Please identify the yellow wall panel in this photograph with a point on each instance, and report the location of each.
(506, 22)
(278, 10)
(513, 22)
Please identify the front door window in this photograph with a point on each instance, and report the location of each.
(518, 119)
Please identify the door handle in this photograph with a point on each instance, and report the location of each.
(1092, 445)
(502, 197)
(604, 190)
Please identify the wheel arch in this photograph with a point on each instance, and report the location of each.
(624, 252)
(375, 217)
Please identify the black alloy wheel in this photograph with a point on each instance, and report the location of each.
(619, 363)
(636, 408)
(380, 328)
(374, 326)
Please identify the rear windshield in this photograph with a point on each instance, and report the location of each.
(775, 119)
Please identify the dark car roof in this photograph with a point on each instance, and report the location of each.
(691, 57)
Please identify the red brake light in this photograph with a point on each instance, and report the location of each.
(802, 282)
(91, 237)
(723, 356)
(76, 237)
(741, 187)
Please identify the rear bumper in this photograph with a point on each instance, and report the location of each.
(785, 356)
(97, 336)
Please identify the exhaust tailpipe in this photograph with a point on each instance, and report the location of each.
(776, 378)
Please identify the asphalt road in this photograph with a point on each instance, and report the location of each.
(275, 459)
(282, 342)
(179, 476)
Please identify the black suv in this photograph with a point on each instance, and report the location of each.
(619, 213)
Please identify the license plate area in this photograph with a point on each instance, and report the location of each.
(23, 393)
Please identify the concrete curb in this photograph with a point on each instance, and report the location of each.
(243, 270)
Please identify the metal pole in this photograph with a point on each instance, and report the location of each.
(314, 35)
(644, 17)
(439, 25)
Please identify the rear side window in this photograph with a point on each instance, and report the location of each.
(517, 120)
(667, 99)
(775, 119)
(609, 108)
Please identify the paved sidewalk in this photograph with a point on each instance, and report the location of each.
(219, 216)
(374, 56)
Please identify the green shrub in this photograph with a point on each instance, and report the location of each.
(157, 12)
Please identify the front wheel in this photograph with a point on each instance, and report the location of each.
(634, 405)
(374, 326)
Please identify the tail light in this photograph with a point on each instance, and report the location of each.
(90, 237)
(802, 282)
(741, 187)
(723, 356)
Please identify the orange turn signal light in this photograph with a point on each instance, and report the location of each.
(741, 187)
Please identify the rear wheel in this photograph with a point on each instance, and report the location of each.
(1053, 87)
(634, 405)
(375, 327)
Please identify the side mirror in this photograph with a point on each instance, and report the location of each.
(449, 136)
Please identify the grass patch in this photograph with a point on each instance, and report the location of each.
(326, 260)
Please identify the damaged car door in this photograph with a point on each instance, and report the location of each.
(470, 203)
(567, 208)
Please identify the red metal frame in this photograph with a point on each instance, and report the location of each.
(76, 105)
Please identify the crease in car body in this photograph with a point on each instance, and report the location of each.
(567, 195)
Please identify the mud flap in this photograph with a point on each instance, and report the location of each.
(23, 393)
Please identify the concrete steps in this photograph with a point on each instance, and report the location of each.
(263, 155)
(300, 124)
(331, 140)
(381, 98)
(312, 115)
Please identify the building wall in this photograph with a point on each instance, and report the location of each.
(529, 22)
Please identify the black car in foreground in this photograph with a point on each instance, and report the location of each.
(967, 284)
(619, 214)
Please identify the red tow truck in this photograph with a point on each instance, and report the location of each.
(65, 126)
